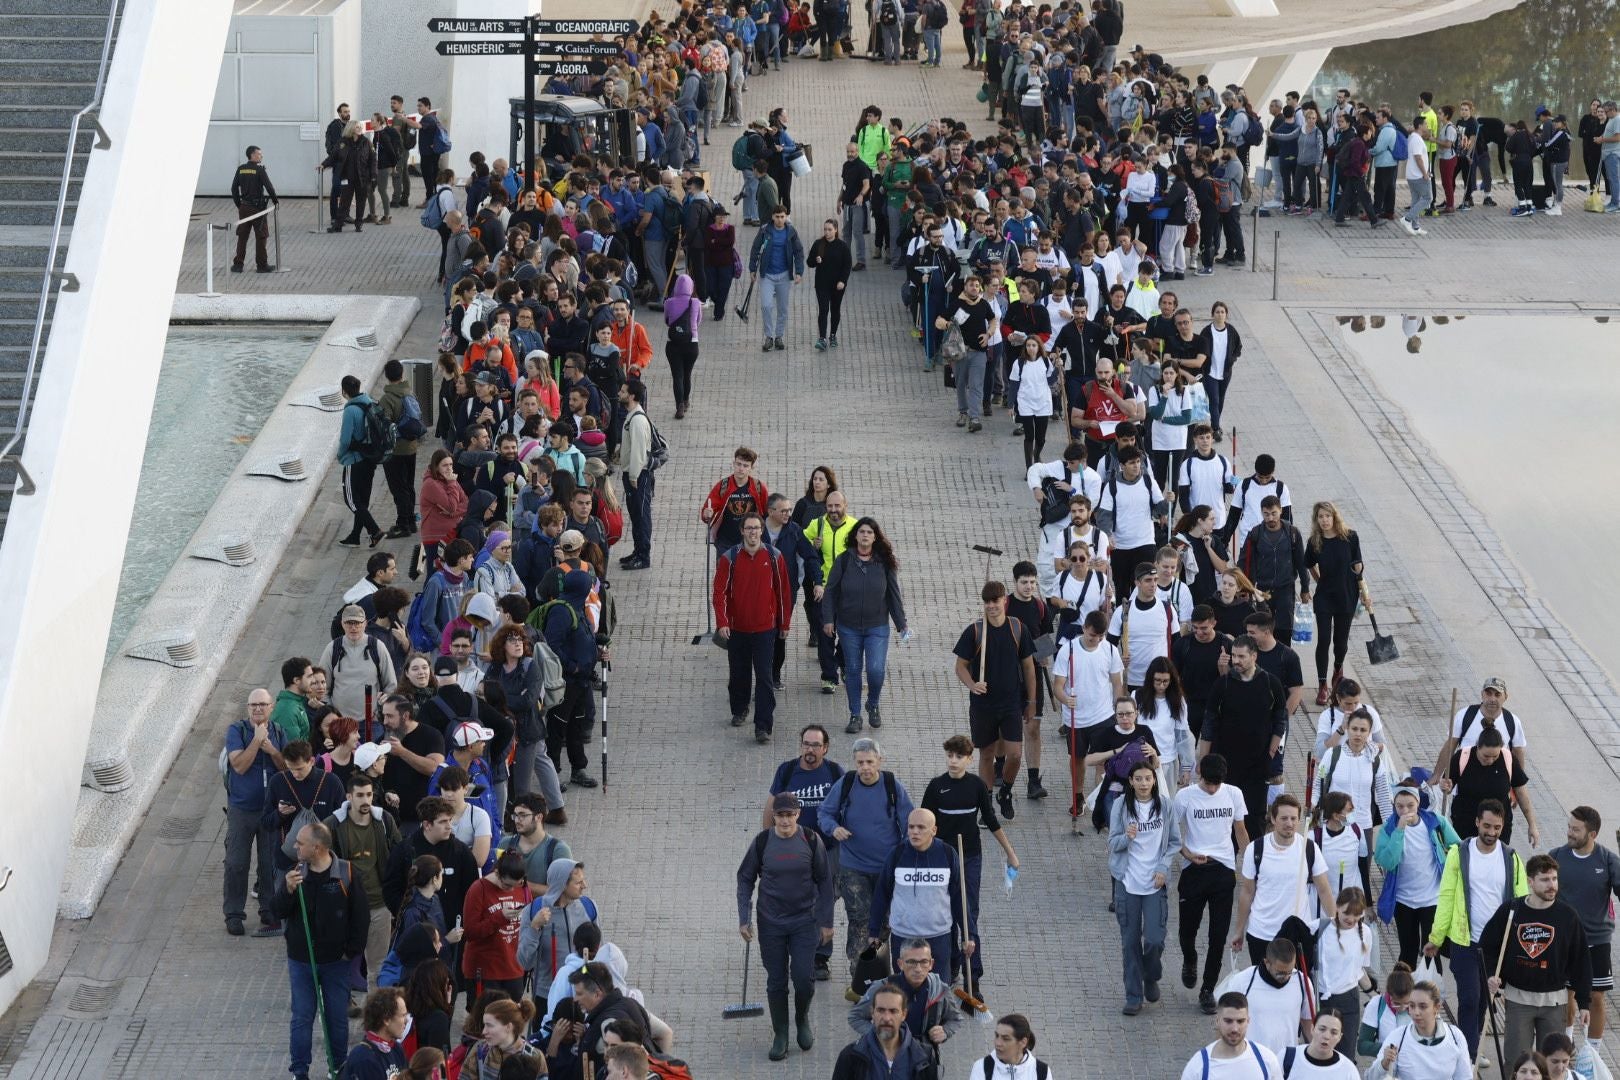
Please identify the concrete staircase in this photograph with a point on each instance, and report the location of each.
(50, 53)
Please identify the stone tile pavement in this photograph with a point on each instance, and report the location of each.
(152, 983)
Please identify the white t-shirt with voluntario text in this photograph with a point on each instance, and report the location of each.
(1207, 820)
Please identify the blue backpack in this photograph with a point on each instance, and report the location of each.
(1401, 149)
(1265, 1073)
(421, 641)
(433, 212)
(410, 426)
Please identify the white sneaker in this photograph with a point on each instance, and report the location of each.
(1408, 226)
(1420, 232)
(1554, 210)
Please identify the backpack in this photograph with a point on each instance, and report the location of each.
(1190, 210)
(551, 671)
(658, 446)
(433, 212)
(537, 617)
(669, 213)
(888, 16)
(1332, 763)
(408, 138)
(1225, 193)
(937, 17)
(447, 334)
(377, 436)
(441, 140)
(1511, 726)
(1259, 846)
(1255, 133)
(680, 331)
(1401, 150)
(421, 641)
(846, 784)
(741, 159)
(668, 1068)
(703, 94)
(1041, 1069)
(370, 653)
(409, 426)
(810, 838)
(1054, 501)
(1265, 1074)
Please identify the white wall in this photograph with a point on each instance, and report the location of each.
(59, 575)
(481, 86)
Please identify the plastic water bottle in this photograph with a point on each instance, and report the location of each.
(1304, 624)
(905, 636)
(1011, 876)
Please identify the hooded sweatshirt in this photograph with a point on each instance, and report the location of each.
(443, 503)
(441, 600)
(543, 951)
(413, 943)
(680, 305)
(918, 893)
(864, 1058)
(473, 528)
(609, 954)
(481, 605)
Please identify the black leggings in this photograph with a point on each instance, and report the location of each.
(1163, 462)
(1339, 622)
(1524, 188)
(682, 359)
(1412, 927)
(1034, 437)
(829, 309)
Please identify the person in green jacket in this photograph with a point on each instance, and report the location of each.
(872, 138)
(291, 712)
(1480, 876)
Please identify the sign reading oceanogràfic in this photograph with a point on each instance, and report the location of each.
(608, 27)
(493, 47)
(475, 26)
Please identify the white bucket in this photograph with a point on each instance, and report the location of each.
(800, 165)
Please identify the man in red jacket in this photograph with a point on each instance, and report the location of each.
(492, 917)
(752, 608)
(733, 497)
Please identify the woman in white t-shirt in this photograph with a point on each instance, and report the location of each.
(1323, 1058)
(1161, 706)
(1344, 845)
(1330, 724)
(1428, 1048)
(1033, 373)
(1142, 836)
(1169, 406)
(1346, 953)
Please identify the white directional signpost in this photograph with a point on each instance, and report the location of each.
(540, 57)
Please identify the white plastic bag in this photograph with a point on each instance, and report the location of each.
(1427, 971)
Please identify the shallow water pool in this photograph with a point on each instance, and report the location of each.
(217, 386)
(1521, 409)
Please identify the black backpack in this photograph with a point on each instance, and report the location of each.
(989, 1063)
(377, 435)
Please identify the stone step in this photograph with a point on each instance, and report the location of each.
(33, 212)
(19, 331)
(30, 257)
(42, 189)
(52, 117)
(19, 69)
(67, 21)
(16, 45)
(40, 164)
(93, 10)
(14, 138)
(22, 305)
(55, 90)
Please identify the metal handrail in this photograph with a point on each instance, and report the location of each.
(52, 277)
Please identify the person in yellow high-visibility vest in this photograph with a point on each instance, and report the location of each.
(829, 535)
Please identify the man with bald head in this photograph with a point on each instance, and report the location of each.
(252, 757)
(919, 894)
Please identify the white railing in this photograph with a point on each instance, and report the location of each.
(211, 227)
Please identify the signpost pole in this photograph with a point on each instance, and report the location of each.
(530, 180)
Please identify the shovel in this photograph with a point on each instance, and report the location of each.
(746, 1008)
(1382, 648)
(742, 309)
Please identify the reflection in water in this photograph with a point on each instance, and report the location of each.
(216, 389)
(1558, 53)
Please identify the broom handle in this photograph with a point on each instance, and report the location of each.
(984, 644)
(1501, 953)
(967, 961)
(748, 947)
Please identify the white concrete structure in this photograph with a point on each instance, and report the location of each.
(59, 578)
(486, 83)
(1244, 9)
(284, 70)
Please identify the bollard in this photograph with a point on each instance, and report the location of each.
(1276, 250)
(208, 269)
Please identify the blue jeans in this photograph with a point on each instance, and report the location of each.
(750, 196)
(931, 46)
(1141, 938)
(786, 949)
(1468, 968)
(639, 497)
(775, 289)
(334, 995)
(1611, 176)
(873, 645)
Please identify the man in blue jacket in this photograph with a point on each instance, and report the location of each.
(777, 254)
(568, 632)
(359, 463)
(253, 757)
(919, 893)
(863, 812)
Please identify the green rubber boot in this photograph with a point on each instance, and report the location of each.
(801, 1019)
(779, 1026)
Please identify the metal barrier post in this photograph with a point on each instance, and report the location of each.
(275, 236)
(208, 273)
(320, 199)
(1276, 250)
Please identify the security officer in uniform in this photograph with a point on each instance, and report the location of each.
(252, 191)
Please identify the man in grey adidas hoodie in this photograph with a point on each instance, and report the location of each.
(547, 936)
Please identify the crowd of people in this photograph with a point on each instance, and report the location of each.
(399, 811)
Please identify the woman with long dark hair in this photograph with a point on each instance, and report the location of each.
(1333, 556)
(1142, 837)
(1161, 706)
(1194, 534)
(813, 503)
(861, 597)
(1033, 401)
(429, 996)
(830, 258)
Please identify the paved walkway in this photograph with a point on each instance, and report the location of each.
(152, 984)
